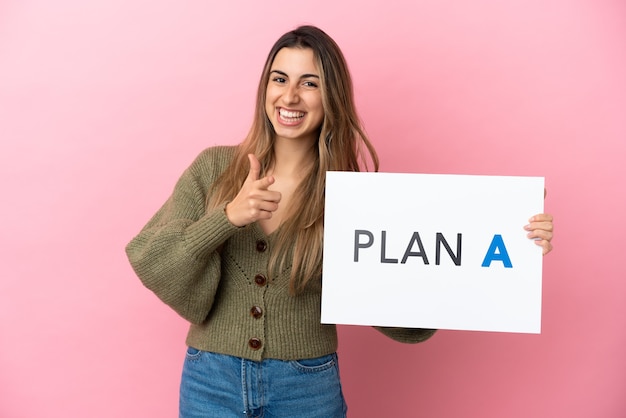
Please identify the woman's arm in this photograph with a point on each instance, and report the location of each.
(176, 254)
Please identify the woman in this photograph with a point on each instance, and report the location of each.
(237, 249)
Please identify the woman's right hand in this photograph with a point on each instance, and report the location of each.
(254, 201)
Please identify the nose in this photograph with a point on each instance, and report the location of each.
(291, 94)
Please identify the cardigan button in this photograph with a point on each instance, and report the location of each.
(261, 245)
(256, 312)
(260, 279)
(255, 343)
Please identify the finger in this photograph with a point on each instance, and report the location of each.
(541, 217)
(256, 214)
(255, 168)
(540, 234)
(268, 207)
(547, 226)
(545, 245)
(262, 200)
(270, 195)
(264, 183)
(262, 210)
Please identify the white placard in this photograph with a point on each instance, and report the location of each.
(432, 251)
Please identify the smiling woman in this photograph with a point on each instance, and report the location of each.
(237, 249)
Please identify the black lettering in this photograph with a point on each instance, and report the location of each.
(383, 244)
(408, 253)
(456, 258)
(358, 244)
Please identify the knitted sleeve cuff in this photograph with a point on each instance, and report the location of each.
(407, 335)
(208, 233)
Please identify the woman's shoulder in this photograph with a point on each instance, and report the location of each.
(214, 159)
(218, 154)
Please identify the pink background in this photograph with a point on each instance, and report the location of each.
(104, 103)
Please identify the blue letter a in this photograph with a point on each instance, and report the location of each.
(501, 255)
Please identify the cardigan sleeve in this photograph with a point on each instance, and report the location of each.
(176, 255)
(407, 335)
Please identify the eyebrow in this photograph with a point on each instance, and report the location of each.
(302, 76)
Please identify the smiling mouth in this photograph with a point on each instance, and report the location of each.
(290, 116)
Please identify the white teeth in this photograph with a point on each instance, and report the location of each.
(292, 115)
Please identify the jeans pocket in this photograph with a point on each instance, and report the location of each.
(193, 353)
(313, 365)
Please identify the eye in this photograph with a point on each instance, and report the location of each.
(279, 80)
(311, 84)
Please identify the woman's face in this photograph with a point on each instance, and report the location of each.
(293, 100)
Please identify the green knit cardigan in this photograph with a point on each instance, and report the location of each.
(214, 275)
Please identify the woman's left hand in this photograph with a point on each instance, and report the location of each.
(541, 229)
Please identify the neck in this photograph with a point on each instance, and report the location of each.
(292, 158)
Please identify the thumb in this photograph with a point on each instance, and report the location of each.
(255, 168)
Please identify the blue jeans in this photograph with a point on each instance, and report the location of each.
(222, 386)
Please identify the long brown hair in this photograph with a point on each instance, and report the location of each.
(342, 146)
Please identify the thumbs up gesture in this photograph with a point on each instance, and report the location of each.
(254, 201)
